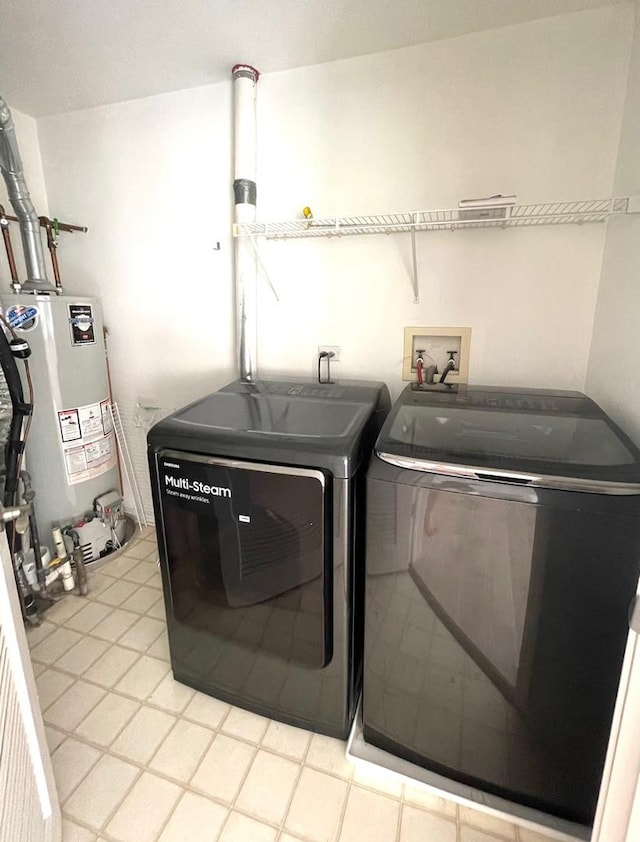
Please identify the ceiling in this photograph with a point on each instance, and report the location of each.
(75, 54)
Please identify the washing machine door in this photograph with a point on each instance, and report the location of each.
(240, 536)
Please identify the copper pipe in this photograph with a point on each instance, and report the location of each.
(48, 225)
(61, 226)
(45, 222)
(4, 224)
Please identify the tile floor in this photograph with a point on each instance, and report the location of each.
(140, 758)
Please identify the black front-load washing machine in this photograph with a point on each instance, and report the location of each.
(503, 553)
(258, 497)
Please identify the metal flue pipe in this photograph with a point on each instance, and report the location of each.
(12, 171)
(245, 79)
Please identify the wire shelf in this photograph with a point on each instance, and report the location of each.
(494, 216)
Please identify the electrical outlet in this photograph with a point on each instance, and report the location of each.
(336, 349)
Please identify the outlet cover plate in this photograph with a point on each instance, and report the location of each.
(336, 349)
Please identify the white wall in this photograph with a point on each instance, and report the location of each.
(533, 109)
(150, 179)
(29, 146)
(614, 363)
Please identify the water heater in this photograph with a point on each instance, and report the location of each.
(71, 449)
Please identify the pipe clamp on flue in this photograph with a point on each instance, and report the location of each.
(244, 191)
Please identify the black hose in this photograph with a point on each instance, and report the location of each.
(15, 445)
(12, 457)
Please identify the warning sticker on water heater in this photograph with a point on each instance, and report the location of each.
(69, 425)
(88, 441)
(88, 461)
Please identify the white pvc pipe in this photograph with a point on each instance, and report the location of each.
(244, 93)
(245, 79)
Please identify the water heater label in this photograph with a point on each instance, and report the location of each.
(22, 318)
(88, 441)
(82, 326)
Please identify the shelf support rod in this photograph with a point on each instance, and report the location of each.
(261, 266)
(414, 259)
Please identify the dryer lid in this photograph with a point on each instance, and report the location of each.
(292, 422)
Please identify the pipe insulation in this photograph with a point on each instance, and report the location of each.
(12, 171)
(245, 80)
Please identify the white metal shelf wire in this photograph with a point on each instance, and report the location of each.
(496, 216)
(488, 215)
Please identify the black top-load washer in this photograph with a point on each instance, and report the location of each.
(503, 553)
(259, 512)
